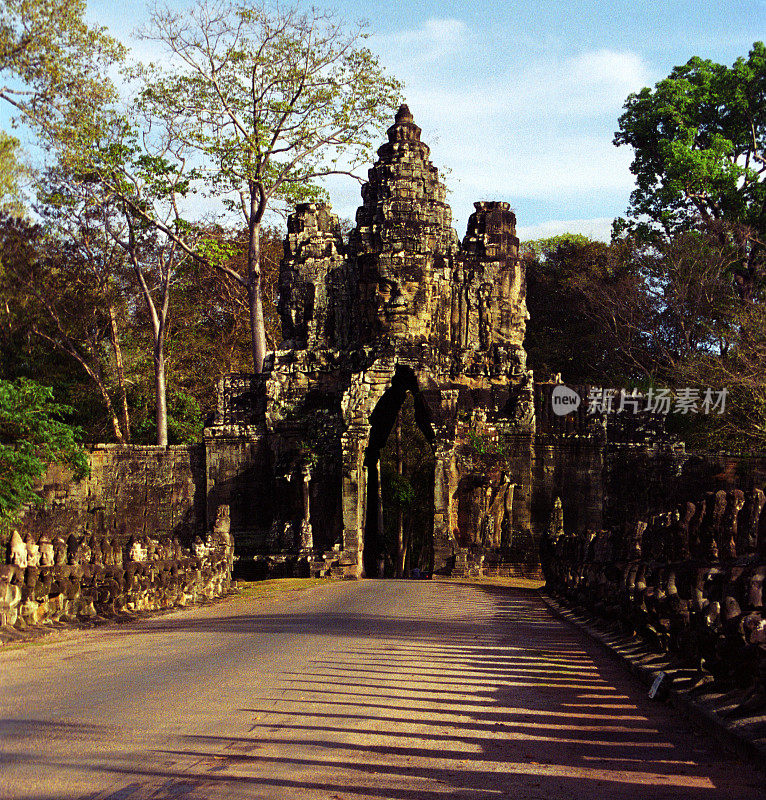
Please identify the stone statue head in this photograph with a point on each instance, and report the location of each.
(59, 551)
(18, 551)
(755, 586)
(135, 550)
(199, 548)
(33, 551)
(397, 304)
(403, 240)
(47, 554)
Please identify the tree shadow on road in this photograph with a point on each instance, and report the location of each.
(477, 692)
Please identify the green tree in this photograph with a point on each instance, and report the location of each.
(594, 311)
(14, 173)
(542, 248)
(54, 65)
(32, 435)
(63, 292)
(699, 138)
(269, 101)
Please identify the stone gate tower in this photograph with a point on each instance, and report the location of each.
(401, 307)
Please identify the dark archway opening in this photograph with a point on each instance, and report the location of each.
(400, 463)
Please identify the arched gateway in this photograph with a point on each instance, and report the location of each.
(403, 306)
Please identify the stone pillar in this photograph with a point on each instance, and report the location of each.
(307, 538)
(354, 499)
(443, 490)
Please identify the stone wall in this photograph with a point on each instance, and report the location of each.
(51, 579)
(690, 581)
(131, 491)
(571, 468)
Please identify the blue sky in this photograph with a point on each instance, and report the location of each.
(519, 100)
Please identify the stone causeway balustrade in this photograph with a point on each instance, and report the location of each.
(53, 580)
(690, 582)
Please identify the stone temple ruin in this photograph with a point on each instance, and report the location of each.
(399, 317)
(401, 307)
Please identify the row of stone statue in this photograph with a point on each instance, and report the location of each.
(49, 581)
(678, 582)
(724, 525)
(95, 549)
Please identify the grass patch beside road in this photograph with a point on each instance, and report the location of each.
(263, 590)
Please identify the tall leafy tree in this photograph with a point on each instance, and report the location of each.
(268, 101)
(594, 307)
(699, 138)
(33, 433)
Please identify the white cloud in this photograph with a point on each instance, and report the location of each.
(436, 39)
(599, 228)
(591, 84)
(601, 78)
(534, 129)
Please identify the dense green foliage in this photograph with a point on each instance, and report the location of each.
(33, 434)
(699, 139)
(669, 314)
(14, 174)
(56, 328)
(676, 300)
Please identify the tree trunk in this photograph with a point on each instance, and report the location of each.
(71, 350)
(109, 410)
(160, 390)
(255, 299)
(408, 550)
(114, 337)
(400, 548)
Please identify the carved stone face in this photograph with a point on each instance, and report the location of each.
(18, 551)
(136, 552)
(47, 556)
(60, 551)
(397, 305)
(33, 552)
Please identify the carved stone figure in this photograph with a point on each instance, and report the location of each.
(18, 551)
(47, 553)
(747, 537)
(199, 548)
(33, 551)
(735, 500)
(136, 552)
(60, 551)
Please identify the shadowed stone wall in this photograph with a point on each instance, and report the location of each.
(134, 490)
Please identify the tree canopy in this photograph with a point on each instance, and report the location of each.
(266, 102)
(14, 174)
(33, 434)
(698, 138)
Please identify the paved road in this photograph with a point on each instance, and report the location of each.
(365, 689)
